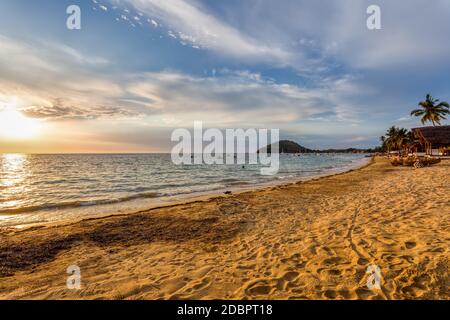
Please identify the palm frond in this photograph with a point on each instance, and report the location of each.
(444, 104)
(417, 112)
(432, 110)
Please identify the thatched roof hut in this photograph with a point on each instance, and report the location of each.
(433, 137)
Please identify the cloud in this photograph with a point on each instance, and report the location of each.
(310, 36)
(64, 88)
(229, 98)
(234, 98)
(194, 24)
(76, 55)
(64, 112)
(13, 53)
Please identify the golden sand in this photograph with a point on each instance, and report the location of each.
(311, 240)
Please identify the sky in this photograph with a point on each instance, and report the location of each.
(138, 69)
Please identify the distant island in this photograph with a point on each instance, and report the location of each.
(287, 146)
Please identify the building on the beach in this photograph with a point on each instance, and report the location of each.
(435, 139)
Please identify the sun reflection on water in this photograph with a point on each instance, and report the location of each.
(13, 171)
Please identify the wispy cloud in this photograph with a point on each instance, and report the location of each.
(52, 81)
(77, 56)
(195, 25)
(58, 110)
(230, 97)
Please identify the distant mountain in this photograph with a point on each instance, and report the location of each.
(286, 146)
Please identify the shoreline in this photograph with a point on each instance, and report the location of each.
(82, 213)
(306, 240)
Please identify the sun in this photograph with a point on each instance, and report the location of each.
(14, 125)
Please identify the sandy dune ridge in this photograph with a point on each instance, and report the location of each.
(310, 240)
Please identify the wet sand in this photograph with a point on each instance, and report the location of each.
(308, 240)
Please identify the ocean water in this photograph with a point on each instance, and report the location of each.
(42, 188)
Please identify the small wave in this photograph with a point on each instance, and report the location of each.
(239, 183)
(229, 180)
(75, 204)
(286, 177)
(194, 190)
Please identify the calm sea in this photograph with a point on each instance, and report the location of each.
(47, 188)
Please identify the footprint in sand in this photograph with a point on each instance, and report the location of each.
(200, 285)
(334, 272)
(312, 249)
(411, 291)
(259, 288)
(363, 261)
(422, 281)
(328, 251)
(330, 294)
(410, 244)
(409, 259)
(344, 293)
(364, 293)
(332, 261)
(290, 276)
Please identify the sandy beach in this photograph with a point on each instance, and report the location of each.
(307, 240)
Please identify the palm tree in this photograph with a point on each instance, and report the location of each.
(396, 138)
(432, 110)
(383, 143)
(401, 138)
(389, 140)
